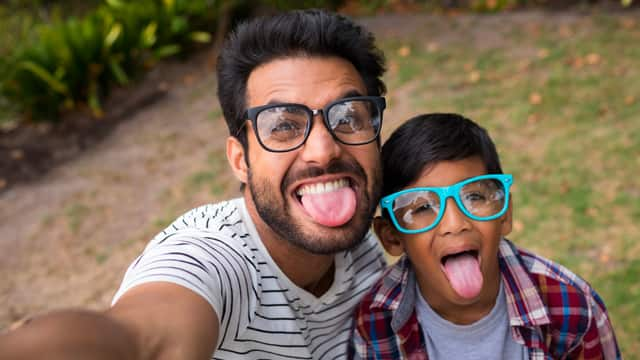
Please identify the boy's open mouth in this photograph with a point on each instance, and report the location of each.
(473, 253)
(329, 203)
(462, 269)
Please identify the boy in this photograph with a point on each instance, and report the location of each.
(461, 290)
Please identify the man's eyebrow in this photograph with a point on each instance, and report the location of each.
(350, 93)
(277, 102)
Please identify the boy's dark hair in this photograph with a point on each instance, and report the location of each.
(310, 32)
(427, 139)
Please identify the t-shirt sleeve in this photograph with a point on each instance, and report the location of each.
(206, 263)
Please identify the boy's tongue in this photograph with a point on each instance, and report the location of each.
(463, 272)
(332, 208)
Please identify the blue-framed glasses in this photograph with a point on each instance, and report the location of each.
(417, 210)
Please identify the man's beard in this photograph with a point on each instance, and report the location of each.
(274, 210)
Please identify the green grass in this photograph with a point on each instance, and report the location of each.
(562, 106)
(75, 214)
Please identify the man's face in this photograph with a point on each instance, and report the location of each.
(322, 195)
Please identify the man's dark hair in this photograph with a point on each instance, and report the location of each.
(424, 140)
(310, 32)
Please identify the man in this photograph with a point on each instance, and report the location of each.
(276, 273)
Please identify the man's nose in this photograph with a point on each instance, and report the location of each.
(321, 147)
(453, 221)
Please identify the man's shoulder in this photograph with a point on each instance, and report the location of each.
(206, 232)
(224, 219)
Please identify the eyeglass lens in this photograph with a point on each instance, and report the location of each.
(420, 209)
(286, 127)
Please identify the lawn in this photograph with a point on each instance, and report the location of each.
(561, 98)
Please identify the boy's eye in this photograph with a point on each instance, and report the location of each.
(475, 196)
(424, 207)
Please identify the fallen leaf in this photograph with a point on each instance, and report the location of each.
(604, 258)
(535, 98)
(565, 31)
(543, 53)
(629, 100)
(518, 225)
(17, 154)
(533, 118)
(188, 80)
(577, 62)
(468, 66)
(393, 67)
(593, 59)
(524, 64)
(404, 51)
(433, 47)
(474, 77)
(627, 23)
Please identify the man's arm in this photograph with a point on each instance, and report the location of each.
(151, 321)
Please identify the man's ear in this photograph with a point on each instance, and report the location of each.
(388, 235)
(506, 222)
(237, 161)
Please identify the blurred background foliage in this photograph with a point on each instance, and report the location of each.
(58, 55)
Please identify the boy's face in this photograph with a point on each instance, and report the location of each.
(456, 262)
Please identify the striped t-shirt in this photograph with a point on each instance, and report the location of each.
(215, 251)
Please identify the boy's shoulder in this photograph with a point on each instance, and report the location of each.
(546, 274)
(387, 291)
(543, 288)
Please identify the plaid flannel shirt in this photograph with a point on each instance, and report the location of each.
(552, 311)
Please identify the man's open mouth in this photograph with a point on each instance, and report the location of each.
(321, 188)
(330, 203)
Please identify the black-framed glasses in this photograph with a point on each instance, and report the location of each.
(284, 127)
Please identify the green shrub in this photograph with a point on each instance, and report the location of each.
(76, 61)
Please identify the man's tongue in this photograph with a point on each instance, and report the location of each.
(332, 208)
(463, 272)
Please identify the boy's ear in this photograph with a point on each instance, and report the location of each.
(507, 220)
(388, 235)
(236, 157)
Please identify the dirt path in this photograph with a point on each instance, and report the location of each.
(67, 239)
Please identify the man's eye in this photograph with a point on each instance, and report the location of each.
(285, 126)
(348, 124)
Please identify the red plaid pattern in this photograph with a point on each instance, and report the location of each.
(552, 311)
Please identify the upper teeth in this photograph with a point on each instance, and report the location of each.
(321, 188)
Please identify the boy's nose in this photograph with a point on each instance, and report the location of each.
(320, 148)
(453, 221)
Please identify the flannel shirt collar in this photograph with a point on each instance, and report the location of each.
(524, 302)
(397, 293)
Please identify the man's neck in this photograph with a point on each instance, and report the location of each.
(312, 272)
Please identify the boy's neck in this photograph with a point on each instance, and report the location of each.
(463, 314)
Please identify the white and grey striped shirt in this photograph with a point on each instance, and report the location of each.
(215, 251)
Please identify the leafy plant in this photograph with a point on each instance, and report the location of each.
(76, 61)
